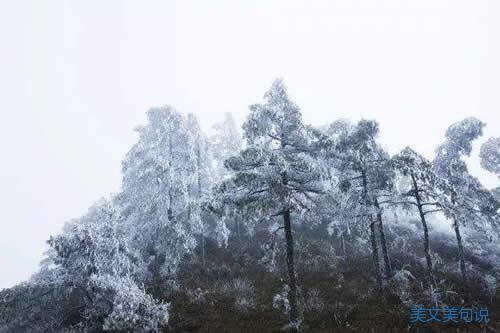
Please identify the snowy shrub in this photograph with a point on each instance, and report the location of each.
(244, 294)
(313, 301)
(197, 295)
(269, 259)
(280, 301)
(241, 289)
(222, 233)
(402, 279)
(490, 285)
(437, 261)
(132, 309)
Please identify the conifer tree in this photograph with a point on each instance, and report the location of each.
(366, 179)
(276, 176)
(464, 200)
(420, 194)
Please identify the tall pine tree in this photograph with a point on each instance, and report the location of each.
(276, 176)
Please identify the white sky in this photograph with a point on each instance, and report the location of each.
(77, 76)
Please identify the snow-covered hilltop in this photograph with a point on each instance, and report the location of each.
(284, 225)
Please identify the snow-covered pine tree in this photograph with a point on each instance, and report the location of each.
(365, 178)
(201, 182)
(465, 201)
(92, 258)
(276, 175)
(490, 155)
(155, 199)
(225, 142)
(490, 160)
(421, 193)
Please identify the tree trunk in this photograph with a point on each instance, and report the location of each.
(461, 256)
(427, 251)
(238, 232)
(198, 178)
(375, 257)
(383, 243)
(373, 238)
(203, 255)
(170, 158)
(292, 295)
(428, 258)
(344, 252)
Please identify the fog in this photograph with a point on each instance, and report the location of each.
(77, 77)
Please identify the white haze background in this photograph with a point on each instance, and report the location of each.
(76, 78)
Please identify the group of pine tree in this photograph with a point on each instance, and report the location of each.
(285, 225)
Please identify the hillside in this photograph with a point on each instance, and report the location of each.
(284, 226)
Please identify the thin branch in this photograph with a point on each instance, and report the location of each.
(278, 229)
(431, 204)
(433, 211)
(398, 202)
